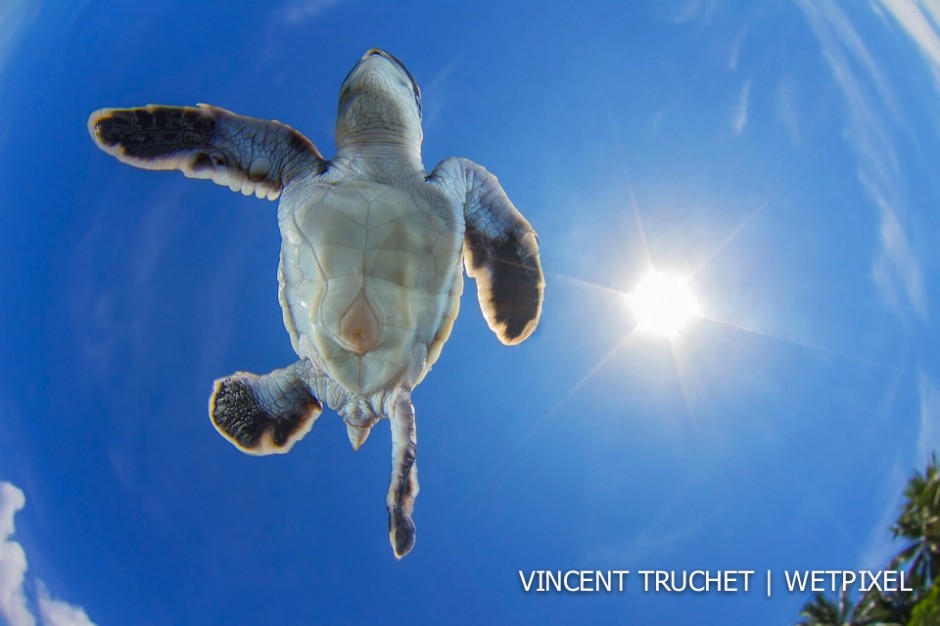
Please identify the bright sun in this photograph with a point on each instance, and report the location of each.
(662, 304)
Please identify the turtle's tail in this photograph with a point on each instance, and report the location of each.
(359, 419)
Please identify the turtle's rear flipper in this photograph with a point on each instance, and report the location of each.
(263, 414)
(244, 153)
(403, 488)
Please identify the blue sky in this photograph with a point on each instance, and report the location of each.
(781, 156)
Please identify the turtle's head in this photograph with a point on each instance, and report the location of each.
(380, 102)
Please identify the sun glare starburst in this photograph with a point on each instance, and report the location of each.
(663, 304)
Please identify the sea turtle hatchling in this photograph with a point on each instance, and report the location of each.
(370, 269)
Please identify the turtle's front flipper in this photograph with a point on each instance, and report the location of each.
(403, 488)
(502, 250)
(264, 414)
(244, 153)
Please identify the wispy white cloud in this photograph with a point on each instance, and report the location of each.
(873, 119)
(298, 11)
(785, 105)
(843, 48)
(872, 107)
(442, 75)
(896, 269)
(933, 10)
(921, 28)
(739, 120)
(736, 46)
(14, 605)
(694, 10)
(433, 94)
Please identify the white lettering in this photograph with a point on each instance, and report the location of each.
(696, 581)
(798, 581)
(620, 574)
(572, 581)
(845, 580)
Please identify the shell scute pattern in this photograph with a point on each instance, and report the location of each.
(369, 282)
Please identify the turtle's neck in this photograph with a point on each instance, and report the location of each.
(381, 157)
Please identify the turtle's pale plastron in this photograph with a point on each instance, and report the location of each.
(370, 273)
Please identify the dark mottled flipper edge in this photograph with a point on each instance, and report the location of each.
(501, 250)
(509, 280)
(263, 414)
(246, 154)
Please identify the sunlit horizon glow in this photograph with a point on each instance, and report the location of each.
(663, 304)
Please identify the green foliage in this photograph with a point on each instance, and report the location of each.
(873, 609)
(821, 611)
(918, 524)
(927, 611)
